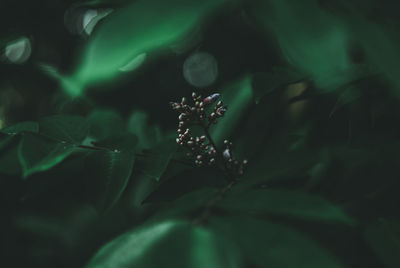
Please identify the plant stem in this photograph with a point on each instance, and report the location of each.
(206, 213)
(219, 154)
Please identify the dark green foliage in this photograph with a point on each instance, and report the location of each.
(99, 181)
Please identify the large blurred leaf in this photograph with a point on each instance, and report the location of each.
(237, 96)
(138, 28)
(39, 153)
(186, 205)
(156, 160)
(138, 248)
(384, 238)
(319, 50)
(287, 204)
(168, 244)
(267, 244)
(22, 126)
(109, 172)
(138, 125)
(266, 83)
(9, 163)
(104, 123)
(9, 133)
(67, 128)
(185, 182)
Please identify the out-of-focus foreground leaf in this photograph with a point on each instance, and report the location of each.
(168, 244)
(109, 171)
(268, 244)
(138, 28)
(296, 204)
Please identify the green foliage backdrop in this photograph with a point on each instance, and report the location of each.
(90, 172)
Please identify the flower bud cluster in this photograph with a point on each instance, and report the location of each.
(196, 113)
(201, 152)
(233, 165)
(204, 153)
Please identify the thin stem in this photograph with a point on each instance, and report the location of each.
(206, 213)
(219, 155)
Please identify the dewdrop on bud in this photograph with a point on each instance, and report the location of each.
(226, 154)
(220, 111)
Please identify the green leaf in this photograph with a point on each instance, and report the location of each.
(285, 203)
(185, 205)
(238, 96)
(109, 173)
(67, 128)
(148, 135)
(22, 126)
(10, 133)
(9, 163)
(147, 246)
(168, 26)
(185, 182)
(383, 235)
(105, 123)
(168, 244)
(266, 83)
(39, 153)
(157, 159)
(267, 244)
(212, 250)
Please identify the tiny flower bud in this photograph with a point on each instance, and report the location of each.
(178, 140)
(210, 99)
(194, 95)
(219, 104)
(245, 162)
(190, 143)
(183, 100)
(199, 157)
(212, 161)
(226, 141)
(202, 138)
(182, 116)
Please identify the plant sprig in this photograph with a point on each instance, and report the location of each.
(202, 148)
